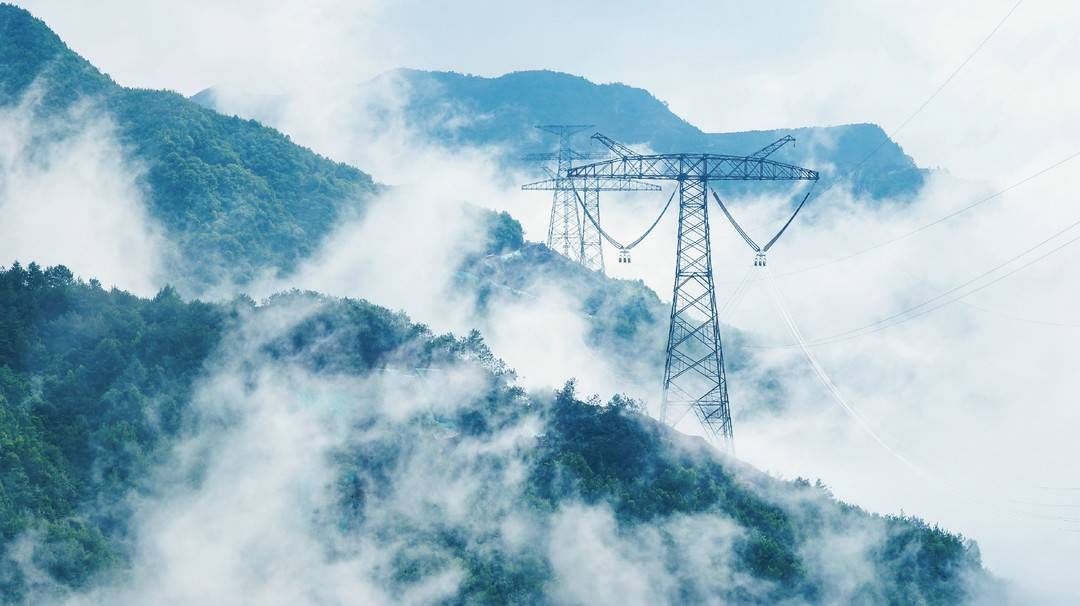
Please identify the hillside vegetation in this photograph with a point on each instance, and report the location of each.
(95, 389)
(235, 196)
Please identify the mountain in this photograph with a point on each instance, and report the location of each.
(504, 111)
(311, 449)
(237, 198)
(110, 403)
(456, 109)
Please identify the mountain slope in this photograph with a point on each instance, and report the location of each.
(106, 399)
(504, 111)
(236, 197)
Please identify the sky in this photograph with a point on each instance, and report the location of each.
(720, 65)
(984, 389)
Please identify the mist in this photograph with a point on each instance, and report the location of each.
(296, 485)
(960, 375)
(70, 195)
(979, 393)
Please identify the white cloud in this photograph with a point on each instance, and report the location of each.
(985, 399)
(70, 195)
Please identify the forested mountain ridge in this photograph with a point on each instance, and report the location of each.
(456, 109)
(240, 200)
(235, 197)
(85, 422)
(504, 109)
(437, 478)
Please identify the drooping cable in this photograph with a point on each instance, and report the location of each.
(746, 237)
(608, 236)
(735, 223)
(790, 219)
(824, 377)
(839, 398)
(957, 292)
(938, 221)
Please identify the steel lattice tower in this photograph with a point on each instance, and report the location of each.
(570, 234)
(694, 373)
(694, 376)
(564, 227)
(592, 249)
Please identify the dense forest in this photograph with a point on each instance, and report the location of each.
(95, 391)
(235, 196)
(479, 491)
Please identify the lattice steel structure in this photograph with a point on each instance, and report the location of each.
(564, 226)
(568, 232)
(694, 376)
(591, 253)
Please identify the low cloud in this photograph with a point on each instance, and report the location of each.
(69, 194)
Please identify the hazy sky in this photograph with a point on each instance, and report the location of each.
(721, 65)
(985, 389)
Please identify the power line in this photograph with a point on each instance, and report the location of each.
(608, 236)
(999, 312)
(929, 305)
(946, 297)
(939, 220)
(960, 67)
(865, 425)
(892, 135)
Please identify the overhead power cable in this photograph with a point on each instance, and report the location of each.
(735, 224)
(801, 342)
(956, 292)
(864, 424)
(608, 236)
(790, 219)
(956, 71)
(939, 220)
(747, 238)
(922, 106)
(998, 312)
(951, 295)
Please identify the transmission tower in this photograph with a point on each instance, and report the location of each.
(564, 227)
(568, 233)
(694, 376)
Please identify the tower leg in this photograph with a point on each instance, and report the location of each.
(592, 251)
(694, 377)
(564, 231)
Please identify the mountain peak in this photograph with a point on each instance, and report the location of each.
(502, 110)
(30, 50)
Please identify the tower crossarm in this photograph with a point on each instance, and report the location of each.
(590, 184)
(564, 130)
(768, 150)
(616, 148)
(571, 154)
(698, 167)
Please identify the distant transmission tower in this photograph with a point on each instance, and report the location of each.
(694, 375)
(568, 232)
(564, 227)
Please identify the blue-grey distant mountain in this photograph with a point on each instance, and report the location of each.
(504, 111)
(458, 109)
